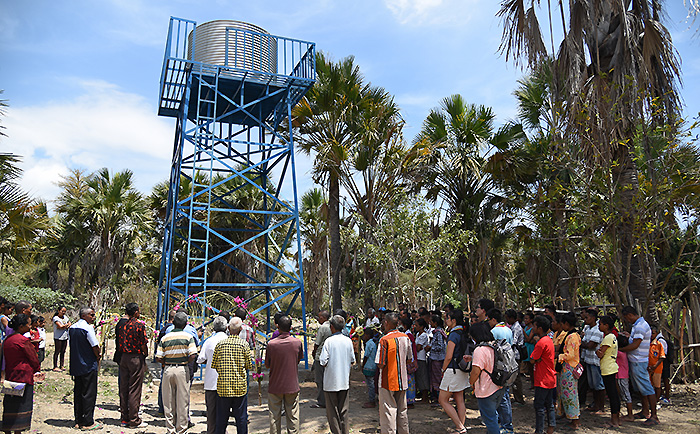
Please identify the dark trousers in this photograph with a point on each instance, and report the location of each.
(233, 406)
(132, 369)
(210, 398)
(337, 407)
(318, 377)
(59, 352)
(583, 387)
(518, 389)
(544, 408)
(611, 389)
(84, 397)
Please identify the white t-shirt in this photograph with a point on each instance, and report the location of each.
(372, 322)
(60, 334)
(423, 339)
(42, 335)
(337, 356)
(206, 355)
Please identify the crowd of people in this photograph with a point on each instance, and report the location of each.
(420, 357)
(427, 357)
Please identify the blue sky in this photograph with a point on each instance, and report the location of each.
(81, 76)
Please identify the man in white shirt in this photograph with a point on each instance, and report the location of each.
(337, 357)
(210, 375)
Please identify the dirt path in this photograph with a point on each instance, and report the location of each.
(53, 409)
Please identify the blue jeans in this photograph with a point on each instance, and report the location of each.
(505, 412)
(595, 379)
(544, 409)
(233, 406)
(639, 377)
(371, 395)
(488, 408)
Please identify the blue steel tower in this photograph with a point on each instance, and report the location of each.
(231, 86)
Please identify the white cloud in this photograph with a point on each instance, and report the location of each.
(432, 12)
(102, 127)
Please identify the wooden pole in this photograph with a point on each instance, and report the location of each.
(683, 314)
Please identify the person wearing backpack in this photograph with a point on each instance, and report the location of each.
(454, 380)
(545, 377)
(500, 330)
(488, 394)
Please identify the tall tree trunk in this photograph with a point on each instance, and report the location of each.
(635, 266)
(334, 231)
(564, 260)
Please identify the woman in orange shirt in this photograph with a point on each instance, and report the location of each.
(569, 358)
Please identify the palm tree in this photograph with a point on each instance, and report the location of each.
(326, 119)
(537, 178)
(454, 139)
(614, 67)
(313, 217)
(21, 218)
(102, 221)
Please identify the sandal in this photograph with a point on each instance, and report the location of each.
(95, 426)
(640, 416)
(650, 422)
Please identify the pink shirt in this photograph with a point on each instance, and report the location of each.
(623, 367)
(483, 358)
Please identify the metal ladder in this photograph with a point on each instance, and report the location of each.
(204, 137)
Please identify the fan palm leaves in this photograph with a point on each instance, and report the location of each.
(102, 220)
(454, 140)
(22, 219)
(331, 126)
(614, 68)
(313, 217)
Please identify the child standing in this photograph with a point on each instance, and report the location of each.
(42, 335)
(437, 348)
(422, 374)
(608, 367)
(369, 367)
(542, 358)
(623, 379)
(656, 359)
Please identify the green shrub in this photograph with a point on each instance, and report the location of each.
(42, 299)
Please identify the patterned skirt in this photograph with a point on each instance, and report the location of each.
(435, 374)
(411, 391)
(17, 410)
(568, 393)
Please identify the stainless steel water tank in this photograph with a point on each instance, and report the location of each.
(253, 52)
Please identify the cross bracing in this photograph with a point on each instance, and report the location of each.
(227, 226)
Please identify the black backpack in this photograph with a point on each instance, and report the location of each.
(505, 366)
(465, 346)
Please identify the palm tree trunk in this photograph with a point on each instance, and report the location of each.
(635, 266)
(53, 275)
(334, 230)
(565, 260)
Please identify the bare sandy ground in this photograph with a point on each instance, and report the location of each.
(53, 410)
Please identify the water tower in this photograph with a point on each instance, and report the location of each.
(232, 217)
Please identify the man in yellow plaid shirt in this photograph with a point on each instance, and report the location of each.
(232, 359)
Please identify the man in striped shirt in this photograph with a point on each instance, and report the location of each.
(232, 361)
(175, 351)
(392, 356)
(638, 358)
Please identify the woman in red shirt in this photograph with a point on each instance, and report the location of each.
(21, 362)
